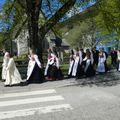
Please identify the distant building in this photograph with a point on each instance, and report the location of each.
(20, 45)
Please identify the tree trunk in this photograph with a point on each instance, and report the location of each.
(37, 35)
(33, 17)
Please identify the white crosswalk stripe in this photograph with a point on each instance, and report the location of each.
(31, 100)
(32, 111)
(28, 93)
(46, 101)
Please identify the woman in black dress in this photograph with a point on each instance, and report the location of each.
(34, 73)
(88, 65)
(54, 72)
(80, 70)
(71, 63)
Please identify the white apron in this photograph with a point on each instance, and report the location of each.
(88, 61)
(118, 54)
(119, 67)
(50, 62)
(70, 66)
(101, 65)
(75, 66)
(31, 65)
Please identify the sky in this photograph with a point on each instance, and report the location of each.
(2, 2)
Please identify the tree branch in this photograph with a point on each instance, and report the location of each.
(9, 10)
(20, 28)
(56, 17)
(89, 12)
(21, 4)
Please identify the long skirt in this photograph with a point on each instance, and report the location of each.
(37, 75)
(106, 67)
(70, 68)
(54, 73)
(4, 72)
(70, 71)
(118, 66)
(90, 71)
(101, 68)
(80, 71)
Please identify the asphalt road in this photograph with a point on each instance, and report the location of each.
(96, 98)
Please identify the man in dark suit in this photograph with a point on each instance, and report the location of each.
(113, 54)
(95, 53)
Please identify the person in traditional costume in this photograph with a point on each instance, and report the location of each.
(34, 72)
(118, 58)
(106, 56)
(101, 63)
(71, 63)
(80, 70)
(76, 63)
(49, 62)
(88, 64)
(53, 70)
(4, 65)
(113, 54)
(13, 76)
(83, 53)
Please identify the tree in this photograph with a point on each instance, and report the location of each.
(88, 33)
(80, 34)
(36, 34)
(31, 10)
(21, 12)
(109, 16)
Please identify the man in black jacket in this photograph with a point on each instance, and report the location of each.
(113, 54)
(95, 53)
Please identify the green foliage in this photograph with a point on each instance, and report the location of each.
(14, 16)
(107, 21)
(64, 68)
(109, 18)
(1, 37)
(74, 30)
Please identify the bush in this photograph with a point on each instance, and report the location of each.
(64, 68)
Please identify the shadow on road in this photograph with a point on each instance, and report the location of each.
(109, 79)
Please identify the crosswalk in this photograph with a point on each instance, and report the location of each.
(29, 103)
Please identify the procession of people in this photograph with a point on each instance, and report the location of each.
(87, 64)
(81, 64)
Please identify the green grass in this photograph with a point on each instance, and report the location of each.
(109, 61)
(64, 68)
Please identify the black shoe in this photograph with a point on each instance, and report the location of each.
(6, 85)
(24, 83)
(2, 80)
(69, 76)
(76, 78)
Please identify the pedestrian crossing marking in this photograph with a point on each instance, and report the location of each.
(23, 111)
(40, 92)
(30, 100)
(32, 111)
